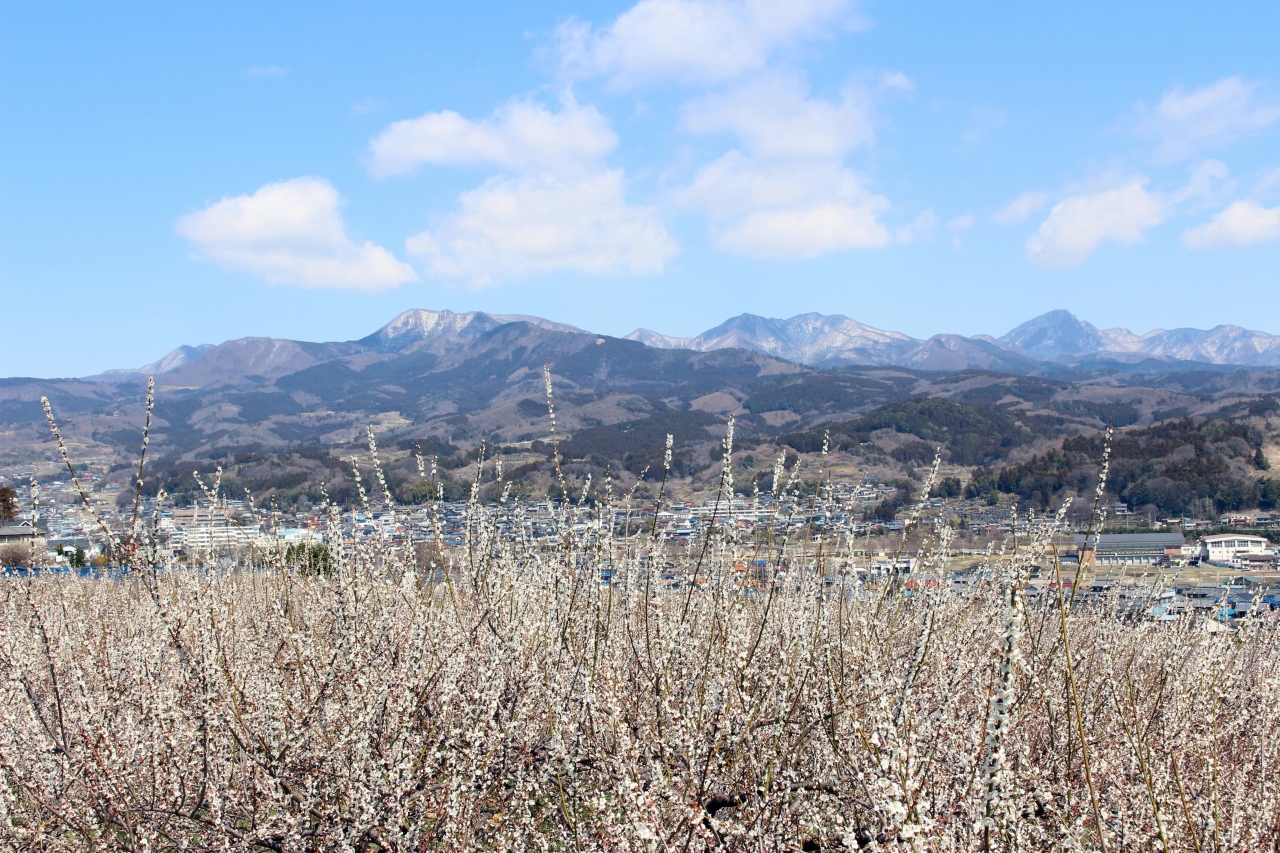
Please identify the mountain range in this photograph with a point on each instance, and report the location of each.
(1055, 338)
(448, 379)
(1049, 343)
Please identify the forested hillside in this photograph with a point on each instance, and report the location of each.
(1189, 466)
(968, 434)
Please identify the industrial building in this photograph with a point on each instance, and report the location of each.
(1119, 549)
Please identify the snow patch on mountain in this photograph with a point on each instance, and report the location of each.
(175, 359)
(419, 324)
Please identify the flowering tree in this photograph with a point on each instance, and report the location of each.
(507, 699)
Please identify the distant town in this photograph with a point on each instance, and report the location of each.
(59, 531)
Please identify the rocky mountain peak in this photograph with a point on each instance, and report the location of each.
(806, 338)
(417, 324)
(1053, 335)
(650, 338)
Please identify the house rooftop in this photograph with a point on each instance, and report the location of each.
(1134, 539)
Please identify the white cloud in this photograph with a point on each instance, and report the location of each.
(291, 232)
(522, 134)
(921, 228)
(560, 209)
(775, 117)
(787, 192)
(261, 71)
(1240, 224)
(536, 223)
(787, 209)
(1185, 122)
(694, 41)
(368, 106)
(984, 121)
(1020, 208)
(958, 225)
(1205, 181)
(896, 80)
(1076, 226)
(1268, 185)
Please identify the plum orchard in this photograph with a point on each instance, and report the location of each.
(512, 701)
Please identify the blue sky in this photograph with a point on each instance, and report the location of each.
(184, 173)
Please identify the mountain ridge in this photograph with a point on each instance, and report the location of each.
(1051, 342)
(1054, 339)
(417, 324)
(171, 361)
(1061, 336)
(445, 378)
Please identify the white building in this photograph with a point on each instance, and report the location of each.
(1226, 548)
(200, 539)
(294, 536)
(901, 564)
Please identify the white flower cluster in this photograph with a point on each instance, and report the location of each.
(498, 695)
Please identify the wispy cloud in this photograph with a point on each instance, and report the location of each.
(920, 228)
(368, 106)
(1268, 184)
(262, 71)
(1020, 208)
(1206, 181)
(984, 121)
(291, 232)
(1187, 122)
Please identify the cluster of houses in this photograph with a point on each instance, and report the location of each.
(1226, 602)
(223, 530)
(1223, 602)
(236, 528)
